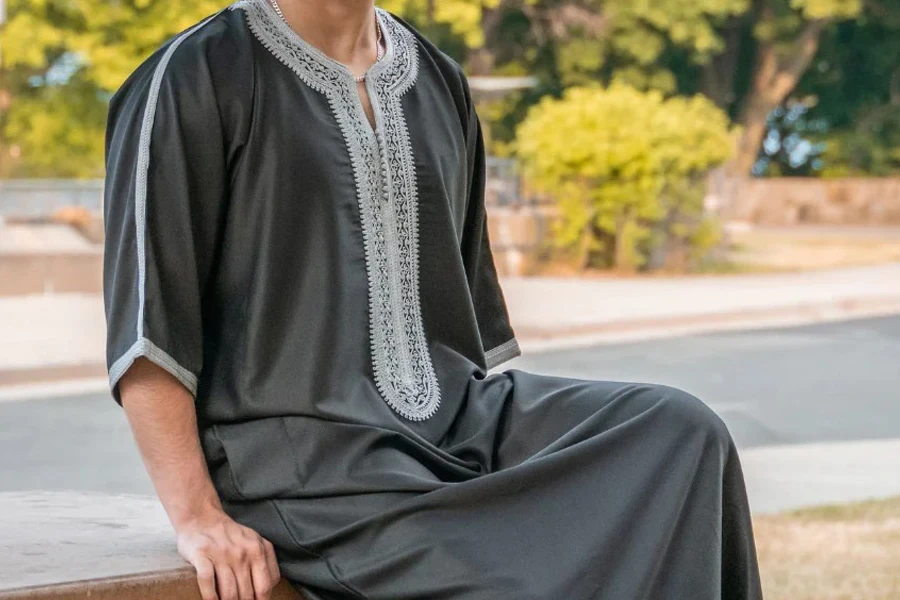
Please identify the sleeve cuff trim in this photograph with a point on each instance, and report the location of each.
(152, 352)
(502, 353)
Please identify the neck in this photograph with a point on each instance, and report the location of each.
(342, 29)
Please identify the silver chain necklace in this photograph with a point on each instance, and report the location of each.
(379, 52)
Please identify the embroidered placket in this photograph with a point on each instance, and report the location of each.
(384, 170)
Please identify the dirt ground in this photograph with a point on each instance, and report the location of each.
(802, 248)
(849, 552)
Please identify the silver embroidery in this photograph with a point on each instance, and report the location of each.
(502, 353)
(384, 169)
(144, 347)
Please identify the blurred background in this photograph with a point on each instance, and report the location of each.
(703, 193)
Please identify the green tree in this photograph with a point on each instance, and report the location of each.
(565, 43)
(786, 35)
(854, 90)
(627, 170)
(62, 59)
(748, 56)
(61, 62)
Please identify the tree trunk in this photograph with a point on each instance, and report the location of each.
(624, 251)
(585, 248)
(773, 80)
(754, 123)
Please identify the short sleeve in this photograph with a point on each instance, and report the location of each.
(163, 205)
(497, 337)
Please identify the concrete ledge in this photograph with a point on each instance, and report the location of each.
(62, 546)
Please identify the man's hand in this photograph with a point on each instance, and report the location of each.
(232, 561)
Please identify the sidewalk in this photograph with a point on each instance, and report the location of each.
(549, 312)
(67, 330)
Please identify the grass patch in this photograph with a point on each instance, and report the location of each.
(845, 552)
(869, 510)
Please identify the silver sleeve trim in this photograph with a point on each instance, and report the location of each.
(153, 353)
(502, 353)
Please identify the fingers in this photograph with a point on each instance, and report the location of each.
(226, 582)
(259, 572)
(206, 578)
(244, 582)
(233, 562)
(248, 561)
(271, 562)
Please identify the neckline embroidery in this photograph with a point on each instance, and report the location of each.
(317, 55)
(384, 169)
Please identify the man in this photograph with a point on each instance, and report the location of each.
(302, 309)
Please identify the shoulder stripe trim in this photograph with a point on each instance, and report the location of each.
(143, 346)
(143, 167)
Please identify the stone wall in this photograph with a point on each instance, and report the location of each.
(809, 201)
(35, 198)
(517, 234)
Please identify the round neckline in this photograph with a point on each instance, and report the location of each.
(328, 61)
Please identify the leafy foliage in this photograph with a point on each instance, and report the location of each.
(854, 93)
(109, 38)
(61, 62)
(464, 17)
(58, 130)
(862, 151)
(62, 59)
(626, 168)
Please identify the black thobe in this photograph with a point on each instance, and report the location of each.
(326, 291)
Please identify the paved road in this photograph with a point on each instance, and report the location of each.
(825, 383)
